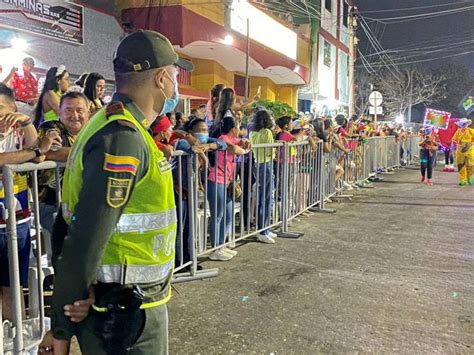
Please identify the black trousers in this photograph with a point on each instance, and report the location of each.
(427, 158)
(448, 157)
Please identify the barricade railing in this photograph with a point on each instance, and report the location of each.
(278, 182)
(24, 334)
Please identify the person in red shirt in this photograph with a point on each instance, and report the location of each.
(26, 86)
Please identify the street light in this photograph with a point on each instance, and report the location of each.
(228, 39)
(19, 44)
(400, 119)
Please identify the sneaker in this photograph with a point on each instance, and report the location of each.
(422, 179)
(272, 235)
(462, 183)
(230, 251)
(266, 239)
(347, 186)
(220, 255)
(470, 181)
(446, 169)
(430, 182)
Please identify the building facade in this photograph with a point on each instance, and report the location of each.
(214, 37)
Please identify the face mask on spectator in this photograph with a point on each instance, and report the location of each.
(202, 137)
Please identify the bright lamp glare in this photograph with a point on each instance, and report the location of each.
(400, 119)
(229, 40)
(19, 44)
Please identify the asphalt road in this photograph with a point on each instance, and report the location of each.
(392, 271)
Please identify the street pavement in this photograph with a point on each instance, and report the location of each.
(390, 272)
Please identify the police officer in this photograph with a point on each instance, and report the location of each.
(119, 210)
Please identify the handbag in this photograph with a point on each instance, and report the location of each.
(234, 187)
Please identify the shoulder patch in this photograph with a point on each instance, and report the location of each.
(126, 123)
(118, 192)
(121, 164)
(114, 108)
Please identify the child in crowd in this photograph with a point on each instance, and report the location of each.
(263, 170)
(464, 138)
(198, 129)
(428, 146)
(221, 177)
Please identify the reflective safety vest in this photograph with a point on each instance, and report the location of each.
(142, 247)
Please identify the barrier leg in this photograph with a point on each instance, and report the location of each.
(284, 233)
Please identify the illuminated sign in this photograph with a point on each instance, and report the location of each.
(56, 19)
(263, 28)
(438, 119)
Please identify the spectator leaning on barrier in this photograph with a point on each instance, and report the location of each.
(119, 207)
(56, 83)
(203, 143)
(263, 170)
(220, 186)
(18, 144)
(73, 115)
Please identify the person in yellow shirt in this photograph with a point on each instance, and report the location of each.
(464, 138)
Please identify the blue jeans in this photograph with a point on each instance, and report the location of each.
(220, 226)
(184, 238)
(24, 245)
(264, 174)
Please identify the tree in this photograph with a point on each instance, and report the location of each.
(407, 86)
(457, 82)
(363, 90)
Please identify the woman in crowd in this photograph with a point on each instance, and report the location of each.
(172, 117)
(181, 121)
(224, 109)
(221, 185)
(94, 89)
(428, 147)
(203, 143)
(263, 170)
(211, 109)
(56, 83)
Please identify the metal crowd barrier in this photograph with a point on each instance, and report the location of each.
(278, 182)
(24, 334)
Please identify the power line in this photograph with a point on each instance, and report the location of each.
(425, 60)
(398, 19)
(418, 7)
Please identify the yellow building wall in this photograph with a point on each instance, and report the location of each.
(289, 95)
(303, 52)
(208, 73)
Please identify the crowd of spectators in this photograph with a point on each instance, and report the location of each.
(221, 140)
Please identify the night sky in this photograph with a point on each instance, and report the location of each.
(441, 31)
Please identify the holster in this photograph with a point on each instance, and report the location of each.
(122, 323)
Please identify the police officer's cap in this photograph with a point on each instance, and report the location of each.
(144, 50)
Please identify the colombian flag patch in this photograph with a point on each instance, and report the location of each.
(121, 164)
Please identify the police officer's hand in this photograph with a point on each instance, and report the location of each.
(78, 311)
(51, 346)
(46, 345)
(48, 140)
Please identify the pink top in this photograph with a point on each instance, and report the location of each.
(230, 165)
(286, 137)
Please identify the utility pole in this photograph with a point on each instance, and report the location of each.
(247, 59)
(410, 100)
(352, 50)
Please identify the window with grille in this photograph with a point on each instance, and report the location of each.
(327, 54)
(328, 5)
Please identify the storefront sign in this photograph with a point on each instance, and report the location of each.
(263, 28)
(52, 18)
